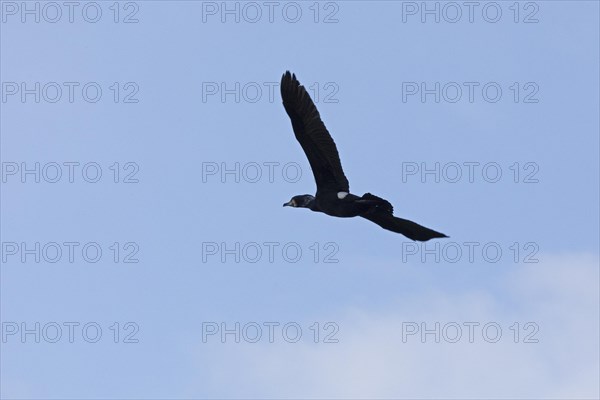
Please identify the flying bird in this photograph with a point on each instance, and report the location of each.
(333, 195)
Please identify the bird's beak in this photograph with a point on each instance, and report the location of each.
(288, 204)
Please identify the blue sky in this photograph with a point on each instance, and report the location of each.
(163, 122)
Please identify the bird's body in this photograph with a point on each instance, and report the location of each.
(333, 195)
(342, 204)
(330, 203)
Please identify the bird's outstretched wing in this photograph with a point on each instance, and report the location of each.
(410, 229)
(314, 138)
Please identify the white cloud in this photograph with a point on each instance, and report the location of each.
(559, 294)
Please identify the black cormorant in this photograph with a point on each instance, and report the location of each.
(333, 195)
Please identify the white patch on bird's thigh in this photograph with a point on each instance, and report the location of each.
(341, 195)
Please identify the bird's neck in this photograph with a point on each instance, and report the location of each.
(312, 204)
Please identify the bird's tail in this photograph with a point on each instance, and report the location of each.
(382, 215)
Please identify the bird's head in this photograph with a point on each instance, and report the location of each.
(304, 200)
